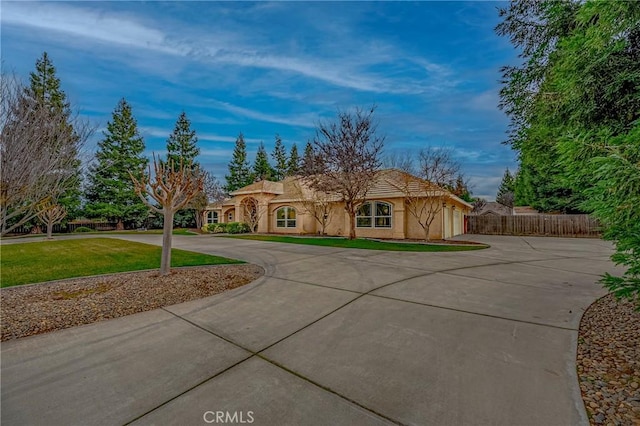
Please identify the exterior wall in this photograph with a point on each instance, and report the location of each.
(226, 211)
(448, 222)
(339, 224)
(302, 220)
(415, 231)
(397, 222)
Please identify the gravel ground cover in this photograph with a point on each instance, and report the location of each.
(609, 362)
(41, 308)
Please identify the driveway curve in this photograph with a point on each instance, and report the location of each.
(331, 336)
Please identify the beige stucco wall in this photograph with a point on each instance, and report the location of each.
(403, 224)
(304, 222)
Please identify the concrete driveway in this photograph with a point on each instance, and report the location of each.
(331, 336)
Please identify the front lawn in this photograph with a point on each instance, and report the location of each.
(53, 260)
(358, 243)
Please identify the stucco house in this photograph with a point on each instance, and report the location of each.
(291, 207)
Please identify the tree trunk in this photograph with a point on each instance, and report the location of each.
(49, 230)
(199, 216)
(426, 232)
(352, 225)
(167, 232)
(120, 225)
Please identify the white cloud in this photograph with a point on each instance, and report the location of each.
(221, 48)
(84, 23)
(301, 120)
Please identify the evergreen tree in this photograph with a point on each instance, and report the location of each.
(111, 193)
(239, 171)
(293, 165)
(45, 87)
(506, 190)
(182, 144)
(262, 170)
(460, 189)
(309, 157)
(182, 148)
(574, 104)
(279, 155)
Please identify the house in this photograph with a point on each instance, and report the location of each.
(291, 207)
(493, 208)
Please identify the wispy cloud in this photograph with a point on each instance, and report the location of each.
(85, 23)
(341, 71)
(301, 120)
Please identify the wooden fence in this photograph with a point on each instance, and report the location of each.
(566, 225)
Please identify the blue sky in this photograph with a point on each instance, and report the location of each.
(432, 69)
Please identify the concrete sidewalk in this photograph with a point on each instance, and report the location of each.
(331, 336)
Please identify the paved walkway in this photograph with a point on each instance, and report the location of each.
(331, 337)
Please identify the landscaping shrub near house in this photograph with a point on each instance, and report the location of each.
(238, 228)
(217, 228)
(230, 228)
(83, 229)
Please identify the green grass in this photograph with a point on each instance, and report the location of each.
(358, 243)
(34, 262)
(176, 231)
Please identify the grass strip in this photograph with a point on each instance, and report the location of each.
(358, 243)
(35, 262)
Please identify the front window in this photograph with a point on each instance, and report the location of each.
(286, 217)
(376, 214)
(212, 217)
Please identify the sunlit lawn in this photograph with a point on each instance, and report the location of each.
(358, 243)
(53, 260)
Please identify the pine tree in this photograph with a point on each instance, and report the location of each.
(506, 190)
(262, 170)
(45, 87)
(110, 193)
(182, 144)
(239, 171)
(293, 165)
(309, 158)
(279, 155)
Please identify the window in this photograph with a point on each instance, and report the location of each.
(212, 217)
(230, 217)
(376, 214)
(286, 217)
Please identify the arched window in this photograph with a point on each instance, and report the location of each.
(212, 217)
(286, 217)
(374, 214)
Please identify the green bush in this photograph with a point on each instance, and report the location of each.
(238, 228)
(217, 228)
(83, 229)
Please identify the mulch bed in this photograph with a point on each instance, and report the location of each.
(46, 307)
(609, 362)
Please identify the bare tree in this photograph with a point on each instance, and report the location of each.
(478, 205)
(252, 212)
(347, 157)
(315, 203)
(50, 214)
(172, 188)
(425, 194)
(37, 150)
(399, 160)
(211, 193)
